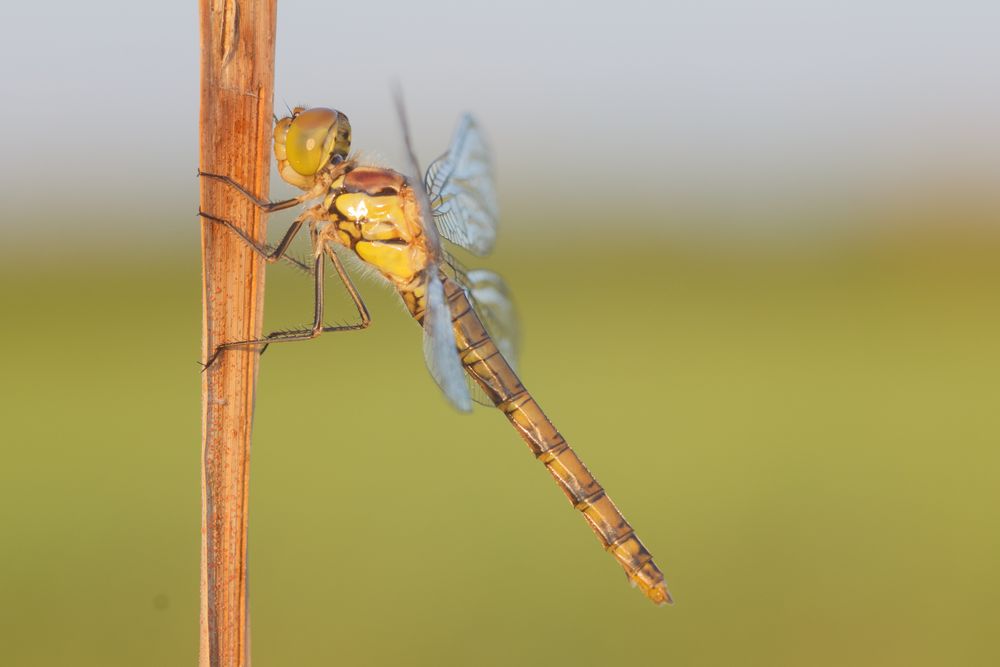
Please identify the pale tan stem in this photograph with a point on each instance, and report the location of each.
(237, 82)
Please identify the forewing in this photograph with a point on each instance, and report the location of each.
(440, 350)
(461, 190)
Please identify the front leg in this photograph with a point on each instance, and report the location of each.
(264, 204)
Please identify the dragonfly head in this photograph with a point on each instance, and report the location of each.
(309, 140)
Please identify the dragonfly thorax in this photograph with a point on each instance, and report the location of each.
(375, 214)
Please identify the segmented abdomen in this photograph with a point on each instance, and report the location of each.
(491, 371)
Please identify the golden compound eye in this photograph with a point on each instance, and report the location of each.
(305, 139)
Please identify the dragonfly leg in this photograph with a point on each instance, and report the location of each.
(263, 204)
(353, 291)
(317, 326)
(270, 256)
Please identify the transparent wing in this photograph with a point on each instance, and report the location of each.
(491, 300)
(461, 191)
(440, 350)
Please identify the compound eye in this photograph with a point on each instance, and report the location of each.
(306, 139)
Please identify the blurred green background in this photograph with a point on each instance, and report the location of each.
(754, 248)
(805, 438)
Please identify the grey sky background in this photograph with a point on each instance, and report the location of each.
(738, 109)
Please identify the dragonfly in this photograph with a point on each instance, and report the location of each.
(398, 225)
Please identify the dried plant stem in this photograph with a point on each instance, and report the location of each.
(237, 82)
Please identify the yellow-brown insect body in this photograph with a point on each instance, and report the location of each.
(376, 214)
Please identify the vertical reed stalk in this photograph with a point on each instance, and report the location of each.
(237, 85)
